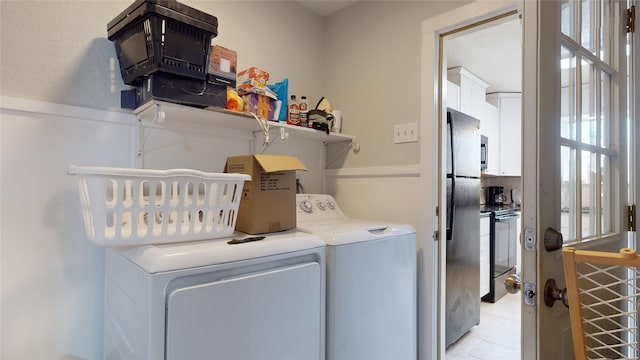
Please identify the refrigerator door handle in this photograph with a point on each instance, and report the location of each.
(451, 209)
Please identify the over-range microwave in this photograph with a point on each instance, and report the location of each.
(483, 152)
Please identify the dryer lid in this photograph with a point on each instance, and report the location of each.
(177, 256)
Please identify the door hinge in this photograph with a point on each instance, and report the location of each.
(631, 218)
(630, 19)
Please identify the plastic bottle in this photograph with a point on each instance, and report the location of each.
(304, 110)
(293, 112)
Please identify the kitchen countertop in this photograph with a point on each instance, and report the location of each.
(487, 210)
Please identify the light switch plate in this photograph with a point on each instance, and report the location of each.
(404, 133)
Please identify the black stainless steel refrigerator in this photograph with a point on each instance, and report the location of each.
(463, 225)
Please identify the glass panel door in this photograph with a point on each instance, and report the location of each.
(589, 75)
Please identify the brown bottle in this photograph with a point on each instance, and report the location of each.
(293, 112)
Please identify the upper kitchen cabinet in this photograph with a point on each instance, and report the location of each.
(453, 96)
(472, 91)
(509, 141)
(490, 128)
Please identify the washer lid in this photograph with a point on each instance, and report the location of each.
(176, 256)
(348, 230)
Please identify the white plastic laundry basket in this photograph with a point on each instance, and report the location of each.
(126, 207)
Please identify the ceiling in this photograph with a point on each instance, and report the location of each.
(493, 53)
(325, 8)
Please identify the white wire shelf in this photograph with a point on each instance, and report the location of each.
(159, 111)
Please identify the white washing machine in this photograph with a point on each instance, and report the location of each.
(371, 282)
(262, 299)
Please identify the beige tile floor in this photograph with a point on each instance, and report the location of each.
(497, 337)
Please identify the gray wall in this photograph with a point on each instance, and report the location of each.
(372, 61)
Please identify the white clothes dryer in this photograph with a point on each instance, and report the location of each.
(371, 282)
(209, 299)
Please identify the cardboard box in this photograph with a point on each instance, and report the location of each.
(268, 201)
(223, 62)
(253, 77)
(261, 105)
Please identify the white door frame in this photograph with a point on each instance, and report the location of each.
(432, 254)
(529, 179)
(635, 112)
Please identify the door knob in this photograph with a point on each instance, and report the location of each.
(553, 239)
(552, 294)
(513, 284)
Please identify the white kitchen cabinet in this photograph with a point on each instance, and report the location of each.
(453, 96)
(509, 142)
(472, 91)
(490, 128)
(485, 245)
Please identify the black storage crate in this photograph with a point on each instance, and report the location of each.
(182, 90)
(162, 36)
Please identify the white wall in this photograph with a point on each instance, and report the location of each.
(58, 51)
(55, 54)
(51, 275)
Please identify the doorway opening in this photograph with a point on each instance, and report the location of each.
(481, 68)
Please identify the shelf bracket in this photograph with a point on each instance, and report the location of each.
(352, 144)
(153, 115)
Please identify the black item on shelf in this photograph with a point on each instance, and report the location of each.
(128, 99)
(162, 36)
(321, 126)
(182, 90)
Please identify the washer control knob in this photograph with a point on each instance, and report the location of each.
(320, 205)
(331, 205)
(306, 206)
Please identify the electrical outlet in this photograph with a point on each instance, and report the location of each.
(404, 133)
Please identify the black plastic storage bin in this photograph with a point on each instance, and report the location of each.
(162, 36)
(182, 90)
